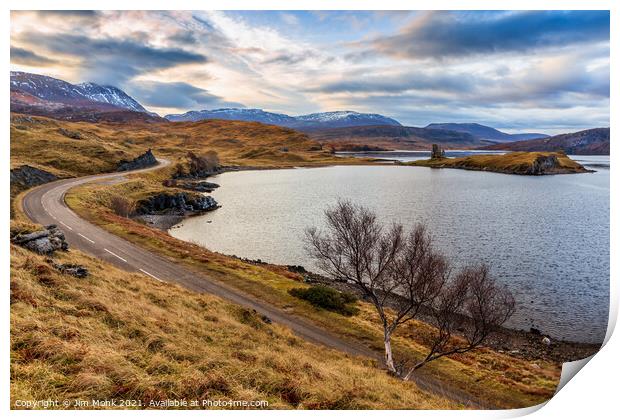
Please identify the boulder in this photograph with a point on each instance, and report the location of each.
(43, 241)
(70, 133)
(74, 270)
(145, 160)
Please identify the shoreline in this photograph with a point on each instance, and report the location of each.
(527, 345)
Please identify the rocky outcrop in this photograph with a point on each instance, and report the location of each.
(42, 241)
(29, 176)
(178, 203)
(543, 164)
(200, 186)
(145, 160)
(74, 270)
(70, 133)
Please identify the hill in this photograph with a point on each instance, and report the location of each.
(123, 336)
(70, 148)
(393, 137)
(594, 141)
(310, 121)
(484, 132)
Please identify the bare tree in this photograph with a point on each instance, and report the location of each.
(356, 250)
(471, 303)
(401, 274)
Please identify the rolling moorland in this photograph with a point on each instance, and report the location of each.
(498, 379)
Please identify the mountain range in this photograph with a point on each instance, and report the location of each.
(594, 141)
(484, 132)
(46, 96)
(303, 122)
(380, 137)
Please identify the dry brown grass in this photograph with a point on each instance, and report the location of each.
(118, 335)
(39, 141)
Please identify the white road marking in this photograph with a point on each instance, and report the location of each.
(87, 238)
(149, 274)
(65, 225)
(120, 258)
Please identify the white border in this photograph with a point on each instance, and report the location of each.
(591, 395)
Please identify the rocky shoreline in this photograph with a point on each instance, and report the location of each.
(164, 210)
(528, 345)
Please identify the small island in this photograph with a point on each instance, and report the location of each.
(517, 163)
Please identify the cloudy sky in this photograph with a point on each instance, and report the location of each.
(544, 71)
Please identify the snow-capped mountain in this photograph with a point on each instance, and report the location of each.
(344, 119)
(58, 91)
(309, 122)
(110, 95)
(238, 114)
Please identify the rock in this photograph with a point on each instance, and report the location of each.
(74, 270)
(178, 203)
(200, 186)
(437, 152)
(543, 164)
(71, 134)
(29, 176)
(44, 241)
(145, 160)
(546, 341)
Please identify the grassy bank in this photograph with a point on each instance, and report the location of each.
(518, 163)
(115, 335)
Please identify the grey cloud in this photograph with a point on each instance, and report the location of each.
(177, 95)
(29, 58)
(352, 83)
(453, 34)
(110, 60)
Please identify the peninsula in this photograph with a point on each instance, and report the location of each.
(517, 163)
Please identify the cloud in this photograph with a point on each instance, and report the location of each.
(29, 58)
(177, 95)
(456, 34)
(399, 82)
(289, 18)
(111, 60)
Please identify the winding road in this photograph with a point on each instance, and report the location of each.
(46, 205)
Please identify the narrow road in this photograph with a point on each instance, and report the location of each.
(46, 205)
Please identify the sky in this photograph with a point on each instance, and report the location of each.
(546, 71)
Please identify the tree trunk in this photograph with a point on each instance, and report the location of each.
(413, 369)
(389, 359)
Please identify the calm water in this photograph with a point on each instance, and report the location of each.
(546, 237)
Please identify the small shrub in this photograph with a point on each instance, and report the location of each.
(122, 206)
(328, 298)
